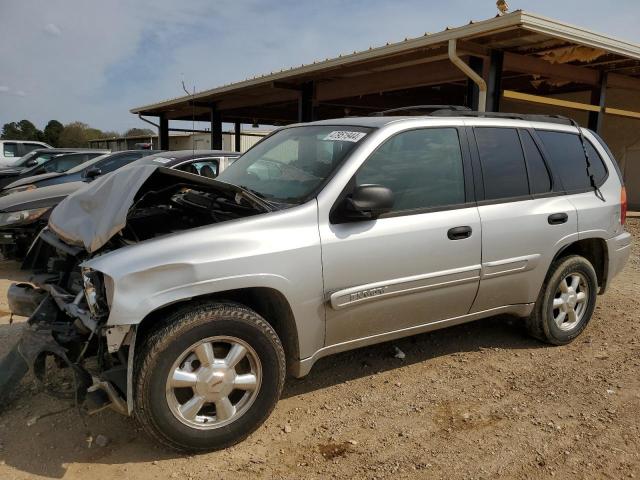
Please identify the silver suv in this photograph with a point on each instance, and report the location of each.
(185, 300)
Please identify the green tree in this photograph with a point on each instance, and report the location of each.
(52, 132)
(138, 132)
(22, 130)
(74, 135)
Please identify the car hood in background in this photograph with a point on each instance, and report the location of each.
(38, 198)
(7, 171)
(91, 216)
(33, 179)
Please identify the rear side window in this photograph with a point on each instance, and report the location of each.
(539, 178)
(10, 149)
(503, 168)
(568, 160)
(423, 168)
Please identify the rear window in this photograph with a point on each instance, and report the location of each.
(503, 169)
(567, 157)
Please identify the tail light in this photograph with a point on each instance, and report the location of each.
(623, 205)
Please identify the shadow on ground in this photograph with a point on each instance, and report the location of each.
(58, 437)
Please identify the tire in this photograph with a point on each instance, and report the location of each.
(172, 354)
(546, 323)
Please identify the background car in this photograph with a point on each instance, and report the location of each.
(23, 214)
(87, 170)
(46, 161)
(10, 150)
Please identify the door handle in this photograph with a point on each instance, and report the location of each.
(558, 218)
(459, 233)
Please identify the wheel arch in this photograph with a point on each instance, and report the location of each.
(269, 303)
(593, 249)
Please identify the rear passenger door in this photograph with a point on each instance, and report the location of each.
(524, 213)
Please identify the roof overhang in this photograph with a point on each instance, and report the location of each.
(398, 66)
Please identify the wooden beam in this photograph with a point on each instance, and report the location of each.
(402, 78)
(622, 113)
(525, 97)
(536, 66)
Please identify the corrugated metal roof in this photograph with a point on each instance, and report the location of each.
(544, 26)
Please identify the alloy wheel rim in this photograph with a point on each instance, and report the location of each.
(570, 301)
(213, 382)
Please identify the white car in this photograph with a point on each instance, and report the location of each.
(12, 150)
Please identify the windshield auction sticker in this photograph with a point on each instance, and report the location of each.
(345, 136)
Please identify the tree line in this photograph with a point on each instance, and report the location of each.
(71, 135)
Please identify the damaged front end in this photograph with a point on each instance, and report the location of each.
(69, 327)
(65, 331)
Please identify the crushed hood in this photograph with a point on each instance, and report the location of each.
(90, 217)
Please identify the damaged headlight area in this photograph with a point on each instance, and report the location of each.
(95, 292)
(21, 217)
(66, 331)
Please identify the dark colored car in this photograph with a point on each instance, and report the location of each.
(46, 161)
(85, 171)
(24, 213)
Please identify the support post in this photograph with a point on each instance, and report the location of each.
(473, 92)
(306, 109)
(237, 135)
(163, 133)
(216, 129)
(598, 97)
(494, 87)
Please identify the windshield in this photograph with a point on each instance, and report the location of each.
(292, 163)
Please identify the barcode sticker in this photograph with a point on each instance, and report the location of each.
(345, 136)
(162, 160)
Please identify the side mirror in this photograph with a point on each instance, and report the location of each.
(31, 163)
(93, 173)
(368, 202)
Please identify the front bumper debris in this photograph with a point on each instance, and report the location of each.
(59, 327)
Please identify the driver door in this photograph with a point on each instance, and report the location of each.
(408, 268)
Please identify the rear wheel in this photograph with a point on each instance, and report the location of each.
(566, 301)
(209, 377)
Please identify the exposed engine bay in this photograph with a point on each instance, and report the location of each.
(68, 308)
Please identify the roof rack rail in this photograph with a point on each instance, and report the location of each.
(559, 119)
(430, 108)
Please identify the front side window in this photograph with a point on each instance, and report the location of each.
(294, 162)
(10, 149)
(503, 169)
(28, 147)
(423, 168)
(568, 160)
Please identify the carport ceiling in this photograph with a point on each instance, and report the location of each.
(541, 56)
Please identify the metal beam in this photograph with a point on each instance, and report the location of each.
(216, 129)
(163, 133)
(494, 87)
(306, 107)
(238, 136)
(473, 92)
(598, 97)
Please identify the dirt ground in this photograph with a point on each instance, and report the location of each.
(476, 401)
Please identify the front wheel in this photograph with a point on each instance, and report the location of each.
(566, 301)
(209, 377)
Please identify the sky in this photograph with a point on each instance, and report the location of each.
(94, 60)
